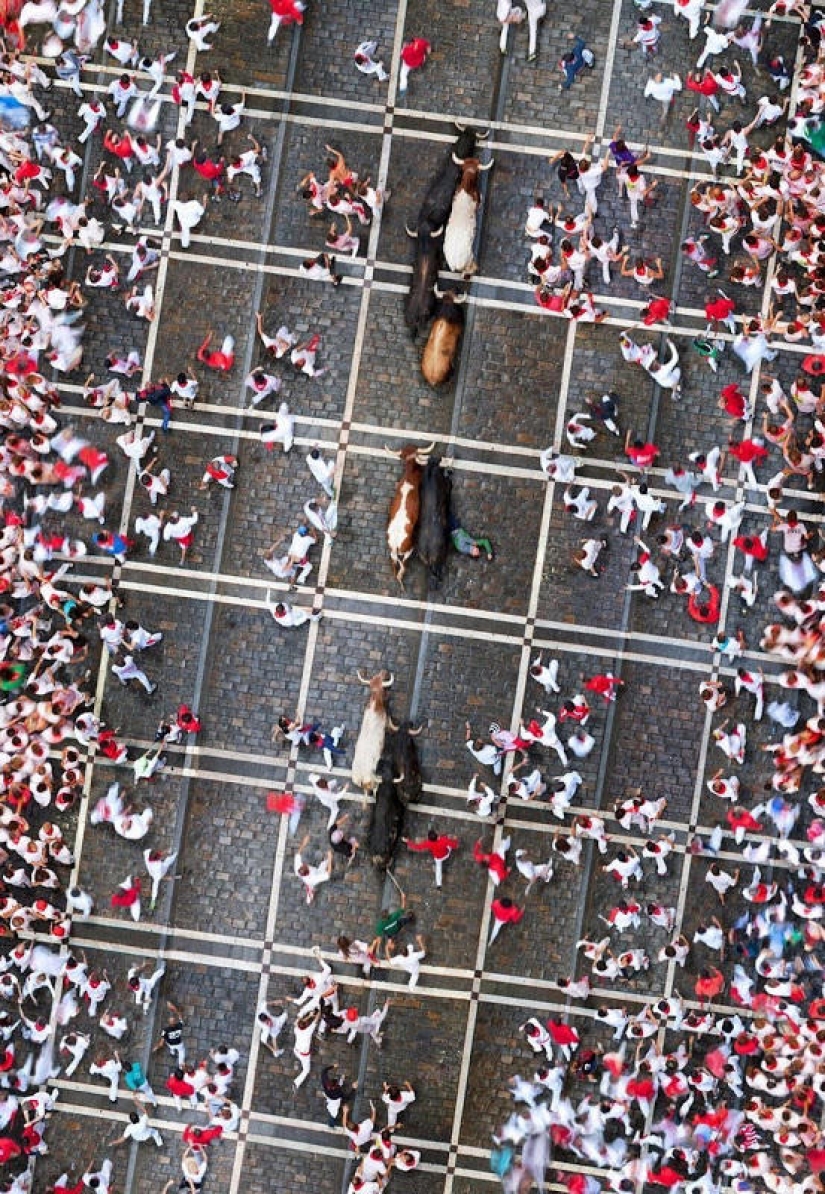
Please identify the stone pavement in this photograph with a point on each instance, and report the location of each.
(234, 928)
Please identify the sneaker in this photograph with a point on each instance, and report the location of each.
(152, 690)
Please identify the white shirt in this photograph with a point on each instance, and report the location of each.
(190, 213)
(139, 1131)
(663, 89)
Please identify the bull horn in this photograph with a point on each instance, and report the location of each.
(409, 233)
(399, 779)
(459, 298)
(425, 451)
(459, 126)
(487, 166)
(414, 733)
(436, 232)
(392, 451)
(483, 136)
(361, 678)
(388, 683)
(438, 293)
(391, 724)
(458, 161)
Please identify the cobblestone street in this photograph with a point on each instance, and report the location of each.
(234, 928)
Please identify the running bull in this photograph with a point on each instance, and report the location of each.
(387, 822)
(461, 226)
(433, 539)
(441, 348)
(432, 218)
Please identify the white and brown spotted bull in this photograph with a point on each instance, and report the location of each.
(460, 233)
(405, 507)
(373, 730)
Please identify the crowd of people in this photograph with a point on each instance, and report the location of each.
(718, 1086)
(51, 623)
(709, 1095)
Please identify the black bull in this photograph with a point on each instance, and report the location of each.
(387, 822)
(433, 533)
(429, 228)
(405, 763)
(399, 772)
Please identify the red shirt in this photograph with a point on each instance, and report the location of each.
(121, 149)
(749, 451)
(8, 1149)
(705, 86)
(493, 862)
(706, 610)
(508, 915)
(743, 820)
(642, 457)
(441, 848)
(658, 309)
(208, 169)
(26, 170)
(577, 713)
(179, 1087)
(76, 1189)
(205, 1135)
(562, 1033)
(287, 10)
(752, 546)
(415, 52)
(125, 897)
(602, 684)
(734, 401)
(719, 308)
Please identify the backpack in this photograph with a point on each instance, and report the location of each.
(588, 58)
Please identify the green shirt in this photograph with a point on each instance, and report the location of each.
(388, 926)
(134, 1076)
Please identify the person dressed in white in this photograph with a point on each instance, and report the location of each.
(199, 29)
(158, 864)
(663, 88)
(262, 384)
(691, 10)
(304, 1029)
(109, 1069)
(667, 374)
(322, 470)
(329, 795)
(99, 1180)
(716, 42)
(74, 1044)
(410, 961)
(365, 61)
(751, 346)
(513, 14)
(533, 872)
(311, 876)
(129, 670)
(291, 616)
(142, 985)
(279, 344)
(397, 1100)
(139, 1129)
(369, 1025)
(270, 1026)
(189, 213)
(282, 431)
(92, 113)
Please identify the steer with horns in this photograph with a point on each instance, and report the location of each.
(441, 348)
(405, 506)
